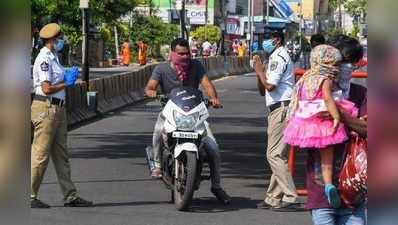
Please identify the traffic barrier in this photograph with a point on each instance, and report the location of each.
(230, 66)
(234, 66)
(212, 68)
(221, 66)
(246, 65)
(292, 155)
(119, 90)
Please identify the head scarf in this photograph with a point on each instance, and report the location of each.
(324, 65)
(182, 65)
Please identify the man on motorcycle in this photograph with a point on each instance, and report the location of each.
(181, 70)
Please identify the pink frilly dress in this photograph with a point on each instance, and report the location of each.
(306, 129)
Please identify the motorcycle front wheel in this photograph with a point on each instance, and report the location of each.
(184, 185)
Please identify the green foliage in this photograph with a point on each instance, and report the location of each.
(333, 31)
(355, 8)
(213, 33)
(68, 14)
(355, 31)
(153, 31)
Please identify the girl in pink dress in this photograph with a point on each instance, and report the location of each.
(315, 93)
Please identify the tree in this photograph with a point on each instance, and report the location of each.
(153, 31)
(213, 33)
(353, 7)
(356, 8)
(68, 14)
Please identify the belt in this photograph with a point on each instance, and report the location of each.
(278, 104)
(53, 101)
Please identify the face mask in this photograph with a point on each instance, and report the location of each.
(269, 46)
(182, 65)
(59, 45)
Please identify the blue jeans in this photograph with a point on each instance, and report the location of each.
(343, 216)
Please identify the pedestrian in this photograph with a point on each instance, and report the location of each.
(317, 92)
(126, 53)
(194, 48)
(142, 53)
(235, 47)
(48, 115)
(322, 212)
(242, 49)
(181, 70)
(277, 86)
(255, 46)
(317, 39)
(214, 49)
(206, 48)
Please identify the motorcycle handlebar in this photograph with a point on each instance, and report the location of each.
(164, 99)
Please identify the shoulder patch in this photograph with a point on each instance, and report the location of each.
(44, 66)
(274, 65)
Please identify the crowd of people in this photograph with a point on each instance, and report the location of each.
(314, 114)
(203, 49)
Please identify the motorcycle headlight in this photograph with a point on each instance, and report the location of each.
(184, 122)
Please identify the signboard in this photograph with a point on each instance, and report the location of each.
(83, 4)
(196, 16)
(282, 7)
(233, 25)
(196, 9)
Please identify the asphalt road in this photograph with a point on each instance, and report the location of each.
(108, 167)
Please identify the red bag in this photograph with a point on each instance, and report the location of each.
(353, 175)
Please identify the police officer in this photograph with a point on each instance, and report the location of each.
(277, 86)
(48, 116)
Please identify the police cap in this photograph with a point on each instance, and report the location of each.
(50, 30)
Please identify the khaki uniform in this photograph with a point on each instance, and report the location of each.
(281, 186)
(50, 127)
(280, 74)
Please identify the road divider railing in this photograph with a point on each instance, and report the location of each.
(292, 151)
(119, 90)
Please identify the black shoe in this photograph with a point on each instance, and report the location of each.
(264, 205)
(37, 204)
(221, 195)
(289, 207)
(78, 202)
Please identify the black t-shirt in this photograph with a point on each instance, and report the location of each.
(168, 80)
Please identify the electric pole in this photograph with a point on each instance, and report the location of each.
(206, 17)
(182, 18)
(267, 12)
(340, 15)
(84, 5)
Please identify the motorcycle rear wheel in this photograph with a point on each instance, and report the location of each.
(187, 174)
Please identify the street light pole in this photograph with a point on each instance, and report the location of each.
(85, 45)
(182, 18)
(301, 22)
(249, 22)
(206, 17)
(267, 12)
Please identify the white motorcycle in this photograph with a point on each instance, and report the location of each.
(183, 156)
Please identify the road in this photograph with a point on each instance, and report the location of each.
(108, 167)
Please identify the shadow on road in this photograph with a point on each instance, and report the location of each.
(115, 204)
(104, 181)
(211, 205)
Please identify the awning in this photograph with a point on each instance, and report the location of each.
(260, 19)
(282, 8)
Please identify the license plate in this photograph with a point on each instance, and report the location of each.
(186, 135)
